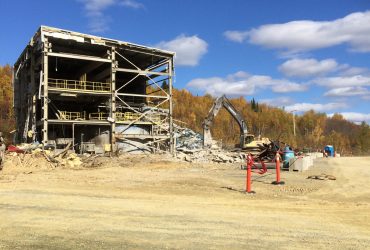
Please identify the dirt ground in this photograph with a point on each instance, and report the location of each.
(152, 203)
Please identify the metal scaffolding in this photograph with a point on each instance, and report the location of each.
(84, 87)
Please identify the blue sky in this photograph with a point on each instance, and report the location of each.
(299, 55)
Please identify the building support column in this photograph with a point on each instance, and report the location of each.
(113, 100)
(33, 96)
(45, 96)
(172, 142)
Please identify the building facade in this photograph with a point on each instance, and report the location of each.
(93, 93)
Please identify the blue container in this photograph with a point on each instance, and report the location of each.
(288, 153)
(329, 150)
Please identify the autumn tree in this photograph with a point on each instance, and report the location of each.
(7, 123)
(314, 130)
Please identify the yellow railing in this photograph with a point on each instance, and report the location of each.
(127, 116)
(65, 115)
(119, 116)
(101, 116)
(79, 85)
(98, 116)
(131, 116)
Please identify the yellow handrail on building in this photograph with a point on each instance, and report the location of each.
(79, 85)
(66, 115)
(119, 116)
(131, 116)
(98, 116)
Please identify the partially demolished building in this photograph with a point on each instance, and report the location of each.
(93, 93)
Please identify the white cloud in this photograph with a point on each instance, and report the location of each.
(308, 67)
(94, 9)
(343, 81)
(99, 24)
(347, 70)
(284, 86)
(347, 91)
(242, 83)
(236, 36)
(189, 49)
(305, 35)
(132, 4)
(355, 117)
(302, 107)
(278, 102)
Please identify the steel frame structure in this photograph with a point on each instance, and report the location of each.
(133, 72)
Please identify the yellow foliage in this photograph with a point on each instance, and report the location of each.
(313, 130)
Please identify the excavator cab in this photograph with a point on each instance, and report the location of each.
(246, 139)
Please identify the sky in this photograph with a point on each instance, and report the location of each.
(297, 55)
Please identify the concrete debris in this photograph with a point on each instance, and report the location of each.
(71, 161)
(187, 139)
(53, 158)
(206, 156)
(27, 147)
(189, 146)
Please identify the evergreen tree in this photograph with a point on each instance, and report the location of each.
(165, 85)
(253, 104)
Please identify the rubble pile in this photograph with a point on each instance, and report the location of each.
(62, 159)
(187, 139)
(189, 147)
(210, 155)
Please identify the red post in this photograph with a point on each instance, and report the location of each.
(277, 160)
(249, 174)
(277, 167)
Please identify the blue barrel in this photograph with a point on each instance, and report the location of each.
(329, 150)
(288, 153)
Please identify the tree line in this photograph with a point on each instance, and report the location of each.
(313, 130)
(7, 122)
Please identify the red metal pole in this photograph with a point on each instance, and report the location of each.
(278, 169)
(277, 160)
(249, 174)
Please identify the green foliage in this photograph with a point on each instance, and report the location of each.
(164, 85)
(254, 106)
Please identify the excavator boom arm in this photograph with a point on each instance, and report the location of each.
(217, 105)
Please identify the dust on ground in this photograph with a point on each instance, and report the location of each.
(152, 201)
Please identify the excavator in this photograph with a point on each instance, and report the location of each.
(222, 101)
(247, 141)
